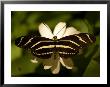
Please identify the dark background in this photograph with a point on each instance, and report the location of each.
(23, 23)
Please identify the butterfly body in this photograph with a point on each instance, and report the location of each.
(67, 46)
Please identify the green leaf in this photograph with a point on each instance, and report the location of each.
(80, 25)
(15, 52)
(18, 16)
(31, 20)
(19, 30)
(97, 24)
(93, 69)
(97, 40)
(92, 16)
(23, 66)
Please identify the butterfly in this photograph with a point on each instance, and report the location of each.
(43, 47)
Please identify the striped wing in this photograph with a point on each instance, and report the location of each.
(42, 47)
(75, 42)
(35, 44)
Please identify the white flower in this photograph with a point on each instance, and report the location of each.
(59, 31)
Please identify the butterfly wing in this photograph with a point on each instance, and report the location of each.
(37, 45)
(42, 47)
(75, 42)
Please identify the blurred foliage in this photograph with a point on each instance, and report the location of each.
(25, 22)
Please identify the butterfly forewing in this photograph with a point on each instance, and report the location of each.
(34, 43)
(30, 41)
(79, 40)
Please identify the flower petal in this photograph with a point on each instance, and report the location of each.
(47, 67)
(67, 62)
(55, 63)
(55, 69)
(47, 62)
(45, 31)
(34, 60)
(70, 31)
(59, 29)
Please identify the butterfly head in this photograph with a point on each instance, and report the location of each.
(55, 38)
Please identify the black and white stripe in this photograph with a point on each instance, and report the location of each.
(43, 47)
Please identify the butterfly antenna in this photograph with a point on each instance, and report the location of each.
(60, 30)
(45, 25)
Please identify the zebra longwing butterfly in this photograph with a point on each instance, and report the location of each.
(67, 46)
